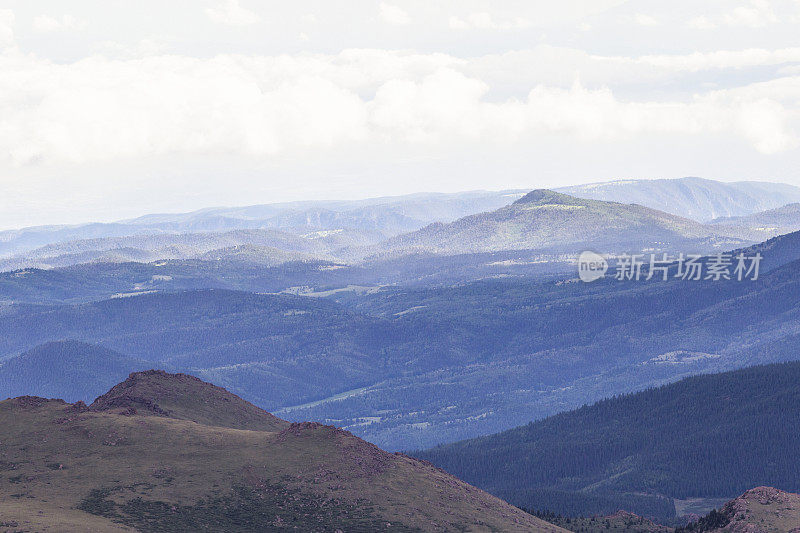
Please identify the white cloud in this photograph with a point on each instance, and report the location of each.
(230, 13)
(6, 27)
(149, 46)
(701, 23)
(485, 21)
(723, 59)
(46, 23)
(792, 70)
(645, 20)
(757, 14)
(393, 14)
(101, 109)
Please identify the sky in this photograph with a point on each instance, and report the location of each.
(111, 109)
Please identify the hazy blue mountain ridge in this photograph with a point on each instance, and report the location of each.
(695, 198)
(385, 216)
(545, 218)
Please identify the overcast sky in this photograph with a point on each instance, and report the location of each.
(111, 108)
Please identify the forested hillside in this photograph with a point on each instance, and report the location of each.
(706, 436)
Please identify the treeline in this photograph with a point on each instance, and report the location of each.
(567, 505)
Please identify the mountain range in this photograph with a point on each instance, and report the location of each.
(168, 452)
(413, 322)
(540, 234)
(665, 214)
(413, 366)
(382, 216)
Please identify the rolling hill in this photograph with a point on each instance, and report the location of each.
(770, 223)
(300, 348)
(695, 198)
(708, 436)
(545, 219)
(164, 452)
(263, 247)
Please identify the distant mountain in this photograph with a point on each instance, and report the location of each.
(389, 215)
(545, 219)
(261, 255)
(769, 223)
(65, 369)
(265, 247)
(163, 452)
(382, 216)
(695, 198)
(22, 240)
(760, 510)
(703, 437)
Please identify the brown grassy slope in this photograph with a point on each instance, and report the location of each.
(186, 398)
(64, 467)
(760, 510)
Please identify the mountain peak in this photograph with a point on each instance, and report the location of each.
(185, 397)
(767, 496)
(546, 196)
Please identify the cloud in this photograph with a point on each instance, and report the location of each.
(395, 15)
(101, 109)
(701, 23)
(723, 59)
(485, 21)
(148, 46)
(757, 14)
(46, 23)
(645, 20)
(6, 27)
(230, 13)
